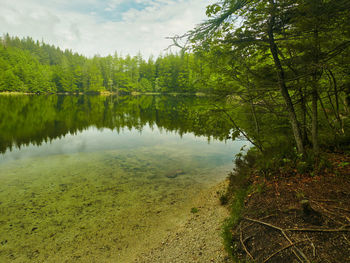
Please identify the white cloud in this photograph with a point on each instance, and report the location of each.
(93, 32)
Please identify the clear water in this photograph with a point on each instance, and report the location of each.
(103, 194)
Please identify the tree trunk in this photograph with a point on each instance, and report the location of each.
(315, 144)
(316, 47)
(335, 86)
(347, 98)
(257, 127)
(282, 84)
(303, 114)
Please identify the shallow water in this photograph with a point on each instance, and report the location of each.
(102, 194)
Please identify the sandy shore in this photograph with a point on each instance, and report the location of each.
(197, 239)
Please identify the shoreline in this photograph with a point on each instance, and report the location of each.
(198, 238)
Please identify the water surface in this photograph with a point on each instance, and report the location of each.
(99, 179)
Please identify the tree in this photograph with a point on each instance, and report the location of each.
(288, 37)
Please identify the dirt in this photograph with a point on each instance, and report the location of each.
(298, 218)
(197, 239)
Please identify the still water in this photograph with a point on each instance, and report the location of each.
(100, 179)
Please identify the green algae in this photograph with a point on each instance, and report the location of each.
(102, 206)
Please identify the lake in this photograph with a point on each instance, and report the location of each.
(101, 178)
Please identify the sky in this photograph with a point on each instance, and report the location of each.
(102, 27)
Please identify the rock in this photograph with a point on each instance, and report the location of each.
(174, 174)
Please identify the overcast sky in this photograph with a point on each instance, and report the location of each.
(102, 27)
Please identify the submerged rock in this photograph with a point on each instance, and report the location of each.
(174, 174)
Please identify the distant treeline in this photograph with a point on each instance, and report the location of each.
(32, 66)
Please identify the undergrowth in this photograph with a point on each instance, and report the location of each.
(267, 165)
(238, 190)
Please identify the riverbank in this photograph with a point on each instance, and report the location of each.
(304, 217)
(198, 238)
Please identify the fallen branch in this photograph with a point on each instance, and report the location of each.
(347, 218)
(346, 239)
(343, 209)
(263, 218)
(318, 229)
(282, 249)
(247, 238)
(326, 200)
(335, 207)
(313, 247)
(295, 249)
(343, 229)
(327, 211)
(263, 223)
(243, 245)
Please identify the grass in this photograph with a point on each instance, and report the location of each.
(194, 210)
(230, 223)
(237, 192)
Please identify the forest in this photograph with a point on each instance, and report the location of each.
(35, 67)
